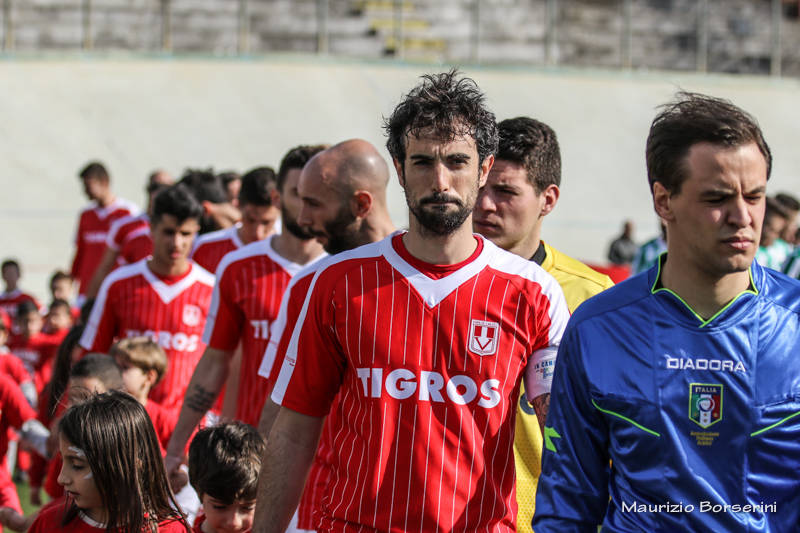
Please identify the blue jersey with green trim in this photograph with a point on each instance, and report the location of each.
(662, 421)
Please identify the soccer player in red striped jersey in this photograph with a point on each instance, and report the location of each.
(129, 238)
(94, 223)
(425, 336)
(258, 222)
(165, 297)
(12, 296)
(246, 299)
(352, 173)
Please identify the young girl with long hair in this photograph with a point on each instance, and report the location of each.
(113, 474)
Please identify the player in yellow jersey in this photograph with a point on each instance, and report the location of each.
(522, 188)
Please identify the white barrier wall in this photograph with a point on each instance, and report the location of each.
(136, 115)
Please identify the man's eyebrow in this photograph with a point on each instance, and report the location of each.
(420, 156)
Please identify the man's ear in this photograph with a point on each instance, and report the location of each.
(361, 203)
(275, 198)
(398, 166)
(486, 166)
(662, 202)
(550, 199)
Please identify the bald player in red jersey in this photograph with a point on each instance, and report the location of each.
(246, 299)
(258, 222)
(343, 193)
(94, 222)
(425, 336)
(166, 297)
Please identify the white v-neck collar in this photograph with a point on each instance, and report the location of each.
(433, 291)
(290, 267)
(167, 292)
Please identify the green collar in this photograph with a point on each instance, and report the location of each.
(659, 287)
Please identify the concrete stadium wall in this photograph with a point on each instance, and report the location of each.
(139, 114)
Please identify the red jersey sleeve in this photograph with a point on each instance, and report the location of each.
(15, 408)
(225, 320)
(101, 326)
(164, 421)
(75, 269)
(13, 366)
(313, 366)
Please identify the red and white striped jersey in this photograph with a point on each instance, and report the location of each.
(427, 361)
(9, 300)
(308, 510)
(130, 237)
(90, 238)
(134, 302)
(210, 248)
(246, 299)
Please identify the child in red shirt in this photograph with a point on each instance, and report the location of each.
(224, 463)
(113, 473)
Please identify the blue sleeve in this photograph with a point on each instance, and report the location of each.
(573, 488)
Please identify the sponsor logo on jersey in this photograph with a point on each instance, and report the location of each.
(483, 337)
(688, 363)
(428, 386)
(192, 315)
(95, 236)
(705, 403)
(179, 342)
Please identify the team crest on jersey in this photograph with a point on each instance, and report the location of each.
(483, 337)
(192, 315)
(705, 404)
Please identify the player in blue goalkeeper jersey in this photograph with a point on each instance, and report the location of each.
(676, 398)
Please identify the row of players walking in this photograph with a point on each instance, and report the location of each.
(460, 374)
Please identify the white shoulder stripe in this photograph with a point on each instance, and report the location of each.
(125, 272)
(362, 252)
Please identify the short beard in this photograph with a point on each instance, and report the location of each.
(439, 221)
(288, 223)
(341, 234)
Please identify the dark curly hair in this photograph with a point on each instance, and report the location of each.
(534, 145)
(695, 118)
(450, 105)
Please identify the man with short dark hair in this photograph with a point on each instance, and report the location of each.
(128, 238)
(684, 377)
(522, 188)
(424, 338)
(94, 222)
(258, 203)
(246, 299)
(343, 195)
(165, 297)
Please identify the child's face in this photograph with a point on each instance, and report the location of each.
(62, 289)
(223, 518)
(30, 324)
(137, 381)
(79, 388)
(59, 319)
(78, 482)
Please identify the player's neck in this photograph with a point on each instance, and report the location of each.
(527, 246)
(168, 268)
(440, 249)
(378, 227)
(296, 250)
(106, 200)
(704, 294)
(10, 287)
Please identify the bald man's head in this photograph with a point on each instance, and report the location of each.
(355, 165)
(342, 189)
